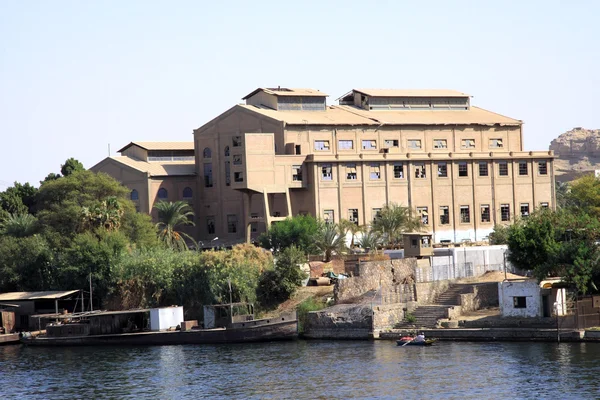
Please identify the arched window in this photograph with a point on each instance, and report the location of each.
(207, 152)
(134, 195)
(187, 193)
(226, 151)
(162, 193)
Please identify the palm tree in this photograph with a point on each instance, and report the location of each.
(330, 240)
(369, 240)
(393, 221)
(346, 227)
(172, 215)
(106, 214)
(19, 225)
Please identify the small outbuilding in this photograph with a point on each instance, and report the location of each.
(26, 304)
(530, 298)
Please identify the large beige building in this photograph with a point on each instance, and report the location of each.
(286, 152)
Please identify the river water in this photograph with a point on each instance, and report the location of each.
(304, 370)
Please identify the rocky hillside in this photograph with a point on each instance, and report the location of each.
(577, 152)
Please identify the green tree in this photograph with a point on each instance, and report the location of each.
(172, 215)
(330, 240)
(70, 166)
(60, 202)
(349, 227)
(106, 214)
(18, 199)
(369, 240)
(392, 221)
(50, 177)
(19, 225)
(499, 235)
(25, 264)
(584, 195)
(299, 231)
(280, 283)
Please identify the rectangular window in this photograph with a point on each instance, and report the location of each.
(297, 173)
(503, 168)
(227, 173)
(423, 214)
(523, 168)
(463, 169)
(543, 167)
(351, 174)
(328, 216)
(237, 141)
(208, 175)
(465, 215)
(442, 170)
(326, 172)
(375, 172)
(505, 212)
(210, 224)
(375, 213)
(322, 145)
(467, 144)
(444, 215)
(544, 205)
(398, 171)
(238, 177)
(232, 223)
(353, 215)
(369, 144)
(440, 144)
(237, 159)
(420, 171)
(485, 213)
(520, 302)
(496, 144)
(298, 149)
(524, 210)
(391, 143)
(483, 169)
(414, 144)
(345, 144)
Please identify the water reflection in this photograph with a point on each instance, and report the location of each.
(304, 370)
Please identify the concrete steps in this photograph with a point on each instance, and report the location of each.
(427, 315)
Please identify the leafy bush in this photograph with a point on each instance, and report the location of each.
(299, 231)
(410, 318)
(280, 283)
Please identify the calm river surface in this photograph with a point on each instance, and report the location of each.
(304, 370)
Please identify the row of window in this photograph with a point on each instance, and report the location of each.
(235, 142)
(413, 144)
(442, 170)
(444, 214)
(163, 194)
(232, 224)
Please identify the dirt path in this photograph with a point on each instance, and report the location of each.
(303, 293)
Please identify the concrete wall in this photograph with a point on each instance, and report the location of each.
(386, 275)
(483, 295)
(529, 289)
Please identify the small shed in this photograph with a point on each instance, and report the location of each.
(417, 244)
(528, 298)
(30, 303)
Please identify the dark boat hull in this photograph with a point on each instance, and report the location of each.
(427, 342)
(286, 330)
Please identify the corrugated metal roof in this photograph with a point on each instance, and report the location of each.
(156, 168)
(161, 146)
(411, 93)
(45, 295)
(350, 115)
(287, 92)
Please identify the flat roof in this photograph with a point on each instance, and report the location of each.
(411, 92)
(160, 146)
(44, 295)
(351, 115)
(98, 313)
(158, 168)
(287, 92)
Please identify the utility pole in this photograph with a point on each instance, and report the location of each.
(91, 305)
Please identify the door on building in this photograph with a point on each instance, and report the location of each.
(546, 313)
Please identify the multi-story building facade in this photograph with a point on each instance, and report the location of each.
(155, 171)
(286, 152)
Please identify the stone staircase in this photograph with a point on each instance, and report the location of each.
(427, 315)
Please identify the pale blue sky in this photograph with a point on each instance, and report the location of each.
(78, 75)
